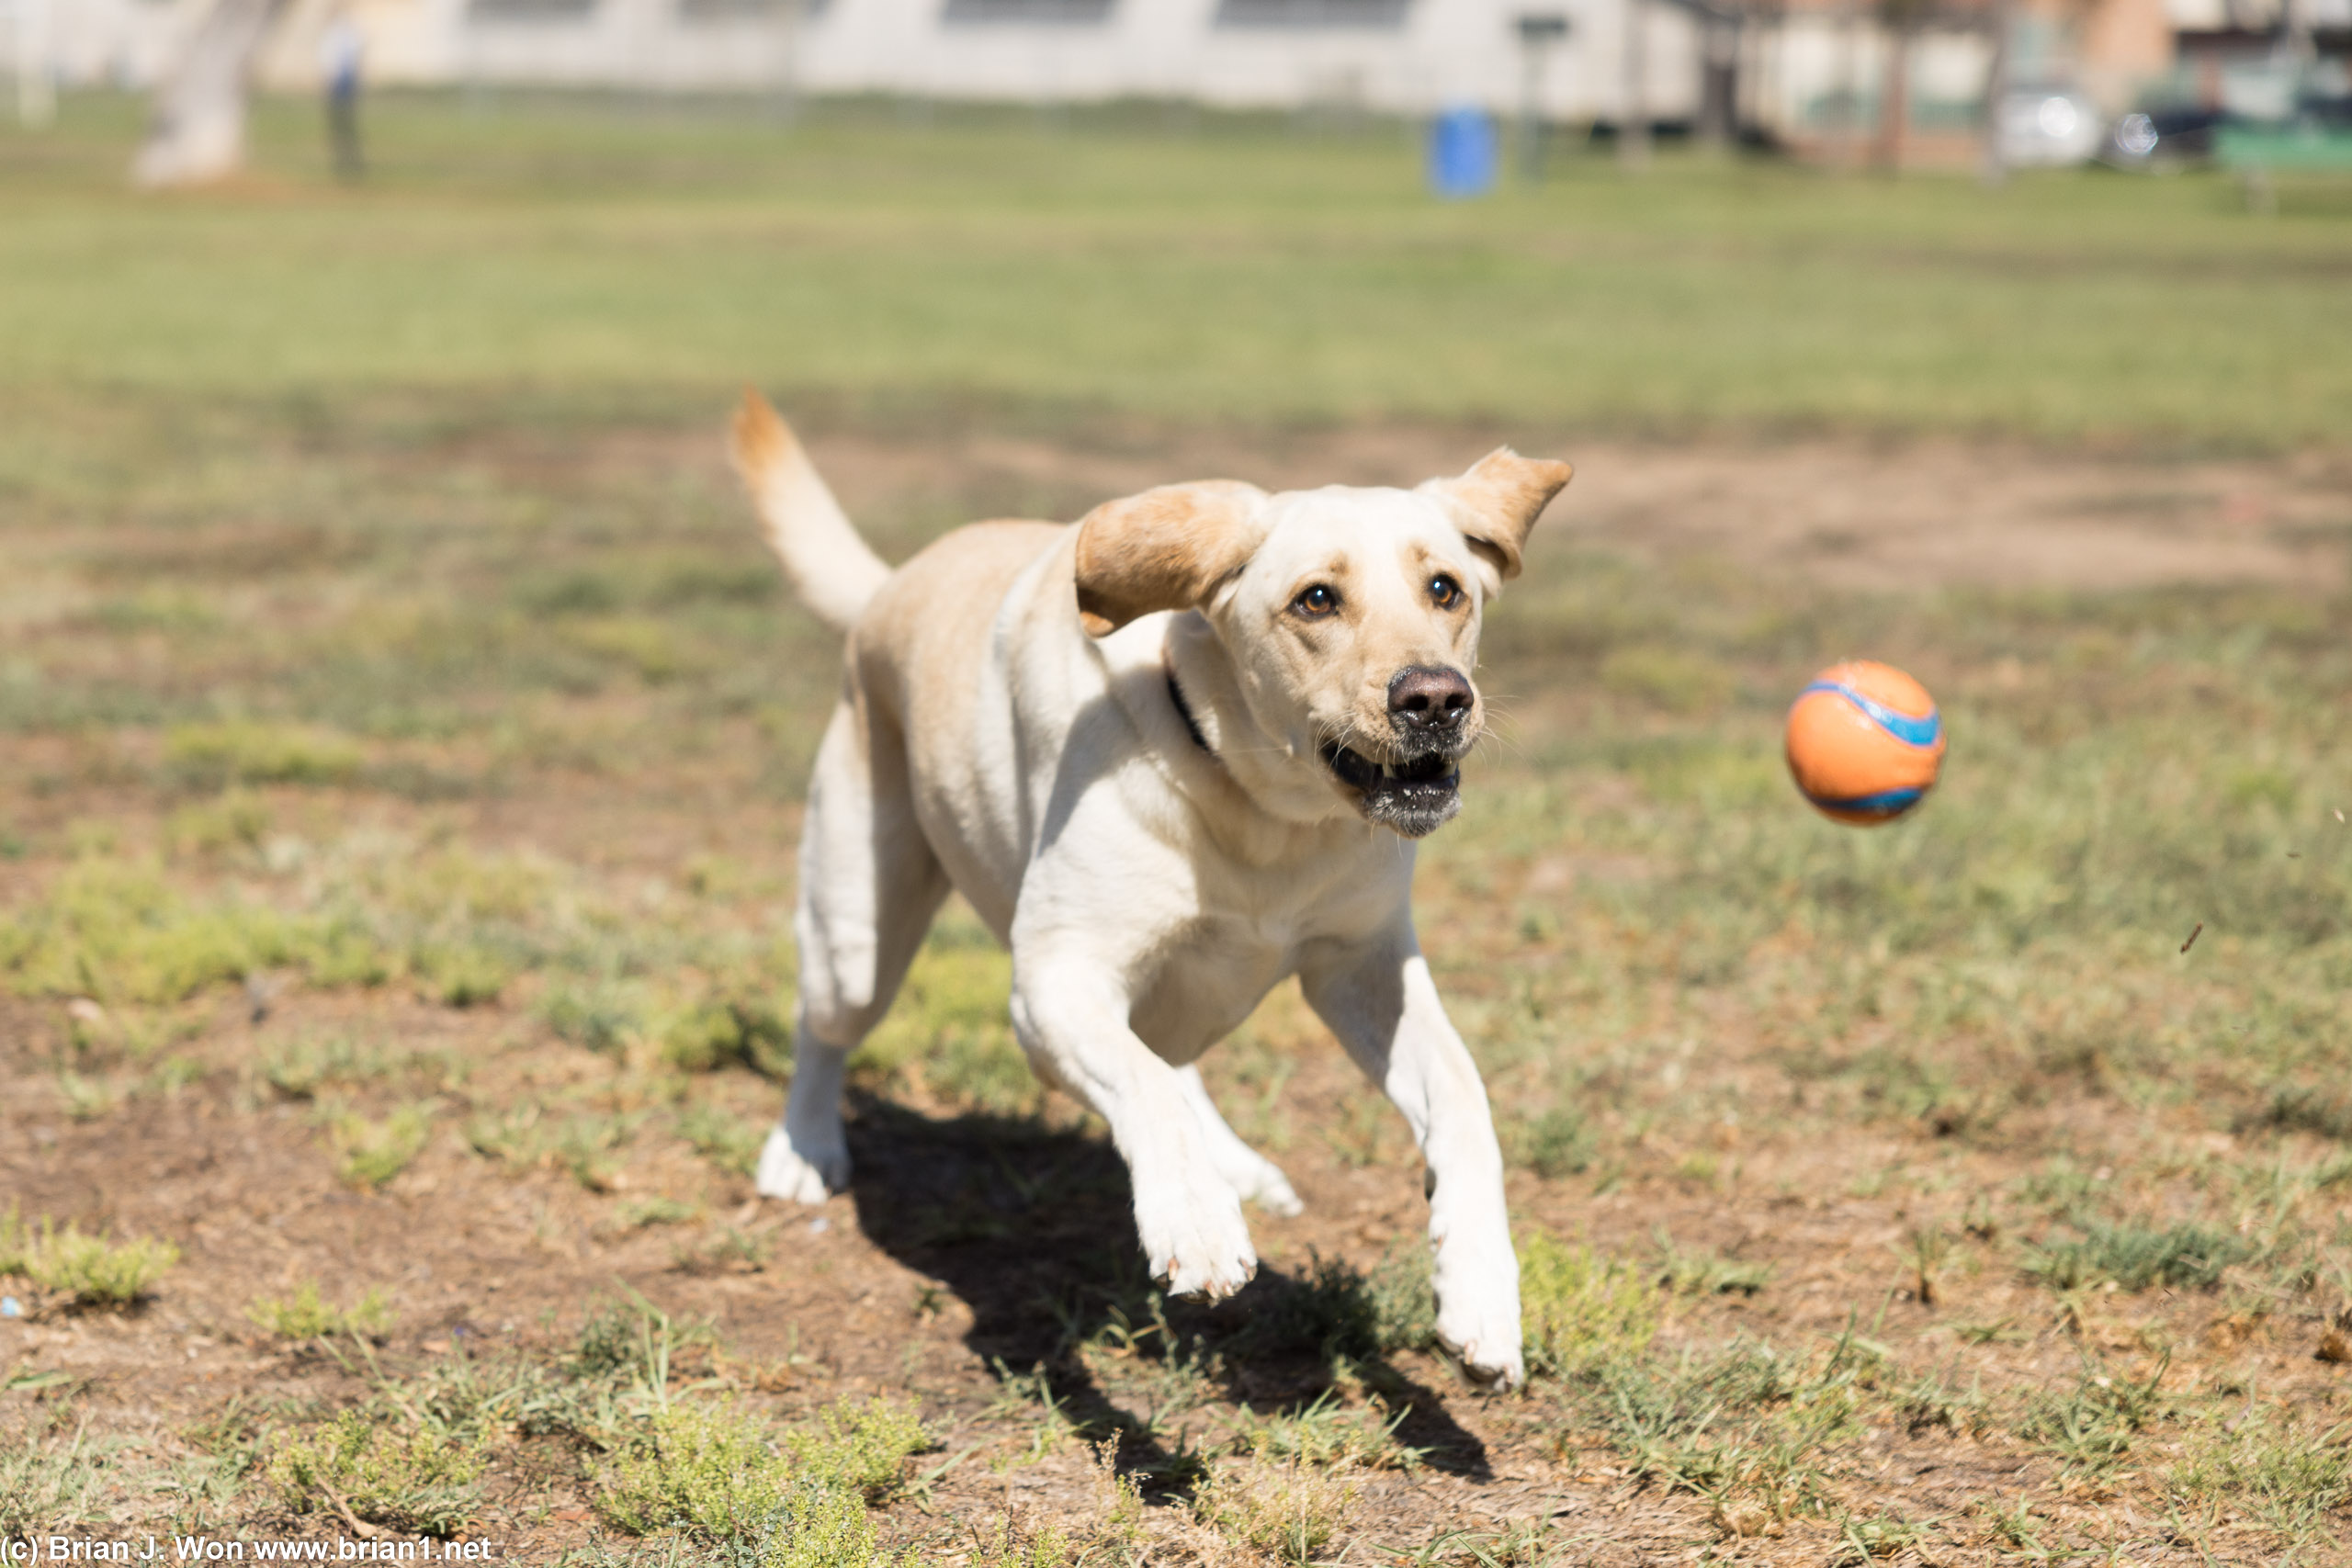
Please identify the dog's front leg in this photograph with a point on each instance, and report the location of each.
(1071, 1016)
(1379, 999)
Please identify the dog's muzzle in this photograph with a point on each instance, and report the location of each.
(1415, 787)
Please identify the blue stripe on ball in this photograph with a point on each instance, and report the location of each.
(1919, 732)
(1887, 803)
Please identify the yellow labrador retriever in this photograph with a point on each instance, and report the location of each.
(1172, 754)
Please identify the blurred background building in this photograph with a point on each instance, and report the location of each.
(1833, 78)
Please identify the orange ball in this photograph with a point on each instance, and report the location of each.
(1865, 742)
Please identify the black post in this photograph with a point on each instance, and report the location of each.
(1993, 167)
(1719, 78)
(341, 49)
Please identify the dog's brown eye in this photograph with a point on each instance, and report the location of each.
(1446, 592)
(1316, 601)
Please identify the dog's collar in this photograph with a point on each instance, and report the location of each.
(1184, 712)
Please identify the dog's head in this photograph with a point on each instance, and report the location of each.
(1351, 615)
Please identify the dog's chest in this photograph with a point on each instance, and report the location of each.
(1201, 979)
(1200, 988)
(1232, 931)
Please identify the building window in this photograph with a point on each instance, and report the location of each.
(529, 10)
(1312, 15)
(746, 10)
(1026, 13)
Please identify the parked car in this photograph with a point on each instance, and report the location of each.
(2151, 140)
(2328, 111)
(2049, 125)
(2178, 137)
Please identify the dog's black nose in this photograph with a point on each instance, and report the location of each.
(1425, 697)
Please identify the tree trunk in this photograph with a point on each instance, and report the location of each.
(1895, 99)
(198, 134)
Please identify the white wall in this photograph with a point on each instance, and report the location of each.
(1812, 59)
(1446, 51)
(89, 43)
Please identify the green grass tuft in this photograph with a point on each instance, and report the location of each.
(1696, 1271)
(370, 1153)
(412, 1480)
(603, 1016)
(1580, 1308)
(1047, 1546)
(462, 974)
(860, 1446)
(87, 1271)
(2137, 1257)
(306, 1314)
(299, 1068)
(2290, 1471)
(817, 1527)
(1290, 1513)
(585, 1147)
(111, 929)
(2301, 1108)
(1752, 1428)
(235, 818)
(710, 1467)
(1863, 1539)
(1558, 1143)
(2092, 1426)
(719, 1470)
(721, 1137)
(1327, 1433)
(52, 1473)
(244, 752)
(724, 1031)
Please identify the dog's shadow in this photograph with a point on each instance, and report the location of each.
(1033, 1228)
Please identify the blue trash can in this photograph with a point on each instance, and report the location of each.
(1462, 153)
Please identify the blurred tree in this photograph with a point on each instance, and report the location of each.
(197, 131)
(1901, 20)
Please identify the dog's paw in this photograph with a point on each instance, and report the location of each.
(1266, 1186)
(1478, 1325)
(1199, 1249)
(1494, 1358)
(799, 1176)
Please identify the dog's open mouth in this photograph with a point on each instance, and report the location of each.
(1414, 796)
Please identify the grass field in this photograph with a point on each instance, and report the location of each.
(403, 738)
(1243, 271)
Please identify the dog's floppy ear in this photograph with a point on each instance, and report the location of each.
(1497, 501)
(1165, 549)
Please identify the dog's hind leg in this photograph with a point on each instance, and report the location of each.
(869, 885)
(1256, 1178)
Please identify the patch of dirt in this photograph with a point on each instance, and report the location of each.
(1848, 514)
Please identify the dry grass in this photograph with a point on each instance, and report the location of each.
(1838, 1157)
(1901, 1196)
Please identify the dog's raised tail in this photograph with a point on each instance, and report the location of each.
(830, 568)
